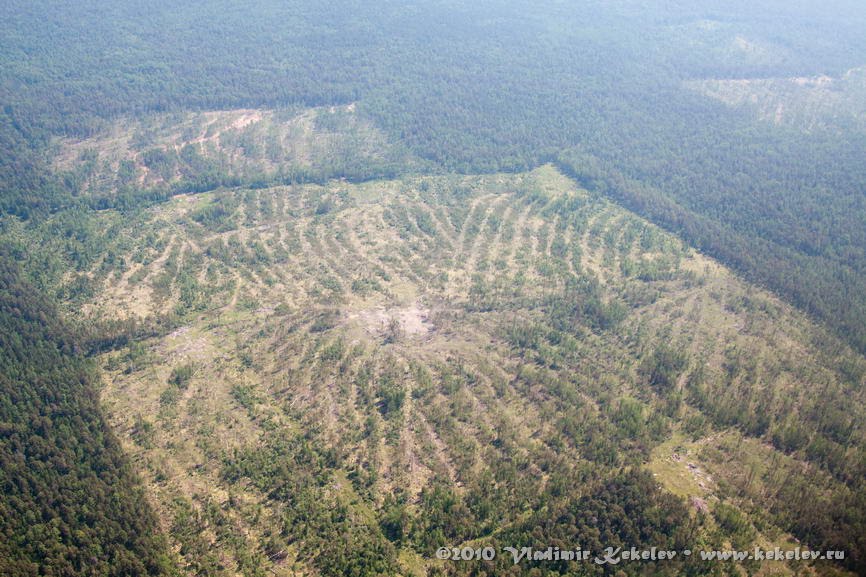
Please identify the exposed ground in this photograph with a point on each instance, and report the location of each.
(420, 332)
(807, 103)
(392, 307)
(169, 150)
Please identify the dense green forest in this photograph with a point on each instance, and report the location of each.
(71, 504)
(170, 170)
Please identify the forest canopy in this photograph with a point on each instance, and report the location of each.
(314, 196)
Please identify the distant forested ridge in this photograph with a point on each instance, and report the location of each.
(69, 501)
